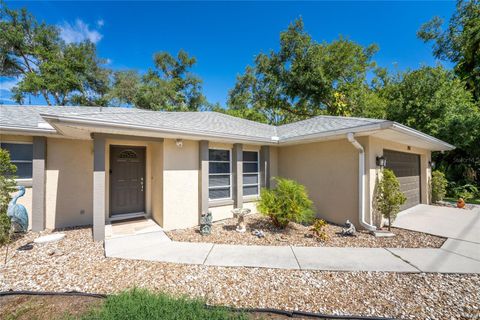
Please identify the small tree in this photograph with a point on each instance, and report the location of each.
(439, 186)
(288, 201)
(7, 184)
(389, 196)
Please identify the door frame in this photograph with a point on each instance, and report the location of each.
(125, 216)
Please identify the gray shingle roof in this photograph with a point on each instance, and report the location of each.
(191, 123)
(321, 124)
(29, 116)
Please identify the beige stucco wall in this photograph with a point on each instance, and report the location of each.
(26, 200)
(181, 187)
(69, 183)
(329, 171)
(375, 148)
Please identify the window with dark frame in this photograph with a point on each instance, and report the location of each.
(251, 173)
(219, 174)
(21, 155)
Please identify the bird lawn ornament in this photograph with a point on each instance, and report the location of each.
(17, 213)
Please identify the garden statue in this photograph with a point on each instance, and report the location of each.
(258, 233)
(17, 212)
(460, 203)
(206, 223)
(240, 214)
(349, 229)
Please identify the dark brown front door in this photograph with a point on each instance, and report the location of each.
(127, 179)
(406, 167)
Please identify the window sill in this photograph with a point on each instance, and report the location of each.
(219, 203)
(24, 182)
(251, 198)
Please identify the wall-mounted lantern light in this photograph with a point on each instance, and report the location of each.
(431, 164)
(179, 142)
(381, 161)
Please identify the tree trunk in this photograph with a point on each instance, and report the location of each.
(389, 223)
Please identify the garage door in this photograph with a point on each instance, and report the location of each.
(406, 167)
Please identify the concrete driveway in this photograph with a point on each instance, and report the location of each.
(453, 223)
(460, 252)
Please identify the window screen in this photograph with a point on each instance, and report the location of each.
(250, 173)
(21, 155)
(220, 174)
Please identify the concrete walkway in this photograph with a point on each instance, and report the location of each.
(459, 254)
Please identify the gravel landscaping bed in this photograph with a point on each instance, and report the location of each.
(78, 263)
(300, 235)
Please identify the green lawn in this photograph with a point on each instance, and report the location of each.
(471, 201)
(139, 304)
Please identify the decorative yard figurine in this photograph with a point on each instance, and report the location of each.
(206, 223)
(349, 229)
(240, 214)
(17, 212)
(258, 233)
(460, 203)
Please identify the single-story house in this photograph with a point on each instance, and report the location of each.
(92, 166)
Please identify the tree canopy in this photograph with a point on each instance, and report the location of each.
(305, 78)
(459, 42)
(45, 65)
(170, 86)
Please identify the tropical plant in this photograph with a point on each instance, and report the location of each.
(7, 184)
(318, 229)
(389, 198)
(466, 192)
(287, 202)
(439, 186)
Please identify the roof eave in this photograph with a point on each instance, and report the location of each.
(185, 134)
(27, 130)
(437, 144)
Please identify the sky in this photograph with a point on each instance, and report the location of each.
(226, 36)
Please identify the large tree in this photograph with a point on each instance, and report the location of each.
(169, 86)
(305, 78)
(434, 101)
(459, 42)
(45, 65)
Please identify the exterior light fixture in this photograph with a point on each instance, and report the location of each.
(179, 143)
(381, 161)
(431, 164)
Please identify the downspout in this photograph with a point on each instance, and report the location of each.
(361, 183)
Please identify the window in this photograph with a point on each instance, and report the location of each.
(21, 155)
(219, 174)
(250, 173)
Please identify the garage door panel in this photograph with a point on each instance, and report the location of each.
(406, 167)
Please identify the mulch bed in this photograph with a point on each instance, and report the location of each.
(223, 232)
(78, 263)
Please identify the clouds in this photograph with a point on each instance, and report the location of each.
(80, 31)
(8, 84)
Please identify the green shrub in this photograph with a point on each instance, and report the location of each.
(466, 192)
(7, 184)
(318, 229)
(287, 202)
(389, 198)
(140, 304)
(439, 186)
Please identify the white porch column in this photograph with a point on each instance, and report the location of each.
(203, 177)
(98, 187)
